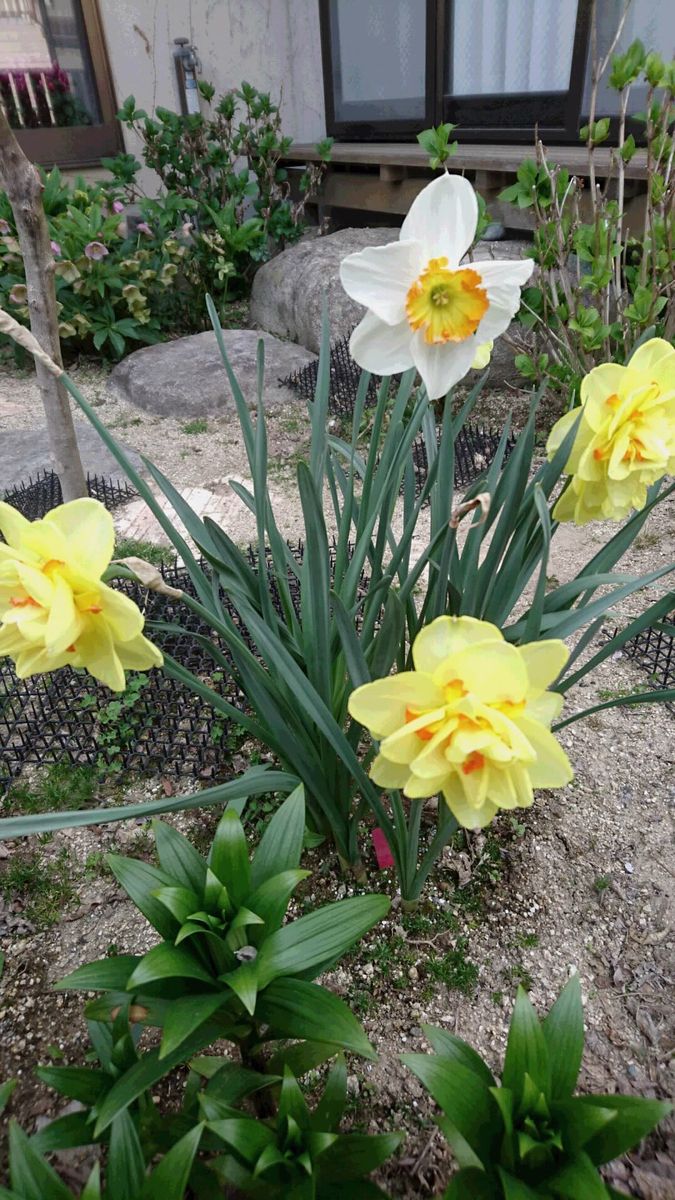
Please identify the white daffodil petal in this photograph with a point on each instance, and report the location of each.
(380, 277)
(381, 348)
(443, 217)
(442, 364)
(502, 282)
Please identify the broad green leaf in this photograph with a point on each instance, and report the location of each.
(515, 1189)
(292, 1102)
(180, 902)
(578, 1177)
(464, 1098)
(64, 1133)
(149, 1069)
(635, 1118)
(355, 1154)
(170, 1178)
(471, 1184)
(229, 858)
(77, 1083)
(447, 1045)
(320, 937)
(31, 1177)
(244, 984)
(578, 1122)
(231, 1082)
(330, 1109)
(526, 1050)
(167, 962)
(184, 1014)
(270, 901)
(126, 1166)
(140, 881)
(245, 1135)
(104, 975)
(6, 1090)
(302, 1057)
(563, 1030)
(280, 846)
(92, 1188)
(178, 857)
(296, 1009)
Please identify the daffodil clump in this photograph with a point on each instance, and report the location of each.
(625, 440)
(471, 720)
(54, 608)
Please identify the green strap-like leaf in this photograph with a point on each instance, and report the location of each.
(31, 1177)
(167, 961)
(125, 1171)
(184, 1014)
(105, 975)
(170, 1179)
(635, 1118)
(178, 857)
(329, 1111)
(464, 1098)
(447, 1045)
(229, 859)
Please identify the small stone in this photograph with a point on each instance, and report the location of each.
(628, 868)
(413, 974)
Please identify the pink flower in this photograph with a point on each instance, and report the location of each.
(96, 250)
(143, 227)
(4, 227)
(118, 206)
(187, 228)
(56, 249)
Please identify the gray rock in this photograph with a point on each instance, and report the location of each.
(288, 292)
(187, 378)
(25, 452)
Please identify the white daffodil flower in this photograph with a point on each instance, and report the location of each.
(424, 309)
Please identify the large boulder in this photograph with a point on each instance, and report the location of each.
(288, 292)
(187, 378)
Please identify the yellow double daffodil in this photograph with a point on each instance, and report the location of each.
(471, 720)
(626, 436)
(54, 607)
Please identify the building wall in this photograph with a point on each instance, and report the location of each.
(273, 44)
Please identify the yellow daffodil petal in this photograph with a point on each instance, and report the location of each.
(657, 359)
(467, 814)
(543, 661)
(382, 705)
(13, 526)
(139, 654)
(551, 767)
(64, 622)
(120, 613)
(445, 636)
(96, 652)
(89, 534)
(492, 671)
(387, 774)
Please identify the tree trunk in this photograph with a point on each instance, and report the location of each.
(21, 181)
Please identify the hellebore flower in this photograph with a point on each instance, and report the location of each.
(143, 227)
(117, 206)
(54, 607)
(5, 227)
(471, 720)
(56, 249)
(425, 310)
(626, 436)
(96, 251)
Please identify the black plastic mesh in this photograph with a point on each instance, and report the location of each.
(36, 497)
(345, 376)
(166, 730)
(654, 651)
(475, 448)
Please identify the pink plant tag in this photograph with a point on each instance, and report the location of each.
(382, 852)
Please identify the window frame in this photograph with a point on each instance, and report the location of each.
(439, 106)
(72, 146)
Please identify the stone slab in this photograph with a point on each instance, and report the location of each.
(288, 291)
(25, 452)
(186, 377)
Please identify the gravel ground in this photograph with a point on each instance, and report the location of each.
(583, 881)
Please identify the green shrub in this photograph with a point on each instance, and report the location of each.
(114, 289)
(240, 214)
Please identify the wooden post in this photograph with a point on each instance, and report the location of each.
(21, 181)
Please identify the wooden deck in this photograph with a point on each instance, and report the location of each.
(385, 177)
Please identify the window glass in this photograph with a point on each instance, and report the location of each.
(499, 47)
(46, 79)
(379, 52)
(653, 22)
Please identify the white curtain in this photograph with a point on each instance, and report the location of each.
(381, 49)
(504, 46)
(653, 22)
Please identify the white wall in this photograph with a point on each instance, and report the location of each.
(273, 44)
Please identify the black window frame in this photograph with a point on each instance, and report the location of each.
(564, 107)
